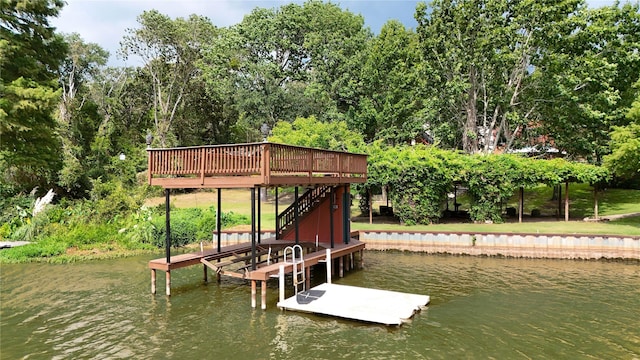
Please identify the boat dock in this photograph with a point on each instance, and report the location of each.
(234, 261)
(314, 229)
(357, 303)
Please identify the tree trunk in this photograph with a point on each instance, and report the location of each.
(470, 133)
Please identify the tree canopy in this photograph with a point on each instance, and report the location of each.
(487, 77)
(30, 55)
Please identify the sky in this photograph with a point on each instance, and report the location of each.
(105, 21)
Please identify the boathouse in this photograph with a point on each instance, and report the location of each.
(318, 218)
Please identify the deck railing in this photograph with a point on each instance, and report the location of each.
(267, 162)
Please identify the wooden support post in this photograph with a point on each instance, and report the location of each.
(263, 295)
(296, 215)
(153, 281)
(328, 266)
(253, 228)
(259, 213)
(307, 277)
(332, 199)
(167, 224)
(341, 262)
(205, 273)
(253, 294)
(168, 285)
(346, 211)
(277, 222)
(361, 259)
(281, 283)
(566, 201)
(219, 220)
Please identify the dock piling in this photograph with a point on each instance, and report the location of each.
(263, 295)
(153, 281)
(253, 294)
(328, 267)
(168, 284)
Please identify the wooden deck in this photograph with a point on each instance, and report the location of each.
(250, 165)
(234, 261)
(266, 272)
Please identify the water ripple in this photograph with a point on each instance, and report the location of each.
(480, 308)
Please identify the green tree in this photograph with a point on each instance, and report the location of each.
(78, 117)
(390, 105)
(311, 132)
(283, 63)
(478, 60)
(170, 50)
(587, 75)
(624, 160)
(30, 54)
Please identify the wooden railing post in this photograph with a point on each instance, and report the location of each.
(266, 163)
(311, 152)
(149, 166)
(202, 165)
(340, 167)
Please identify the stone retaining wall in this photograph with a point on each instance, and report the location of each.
(553, 246)
(515, 245)
(242, 237)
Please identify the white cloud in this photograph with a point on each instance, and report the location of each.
(105, 21)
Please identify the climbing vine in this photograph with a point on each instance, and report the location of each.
(420, 177)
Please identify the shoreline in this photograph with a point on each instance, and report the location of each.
(517, 245)
(540, 246)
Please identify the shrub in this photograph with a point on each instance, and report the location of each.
(112, 200)
(187, 226)
(183, 229)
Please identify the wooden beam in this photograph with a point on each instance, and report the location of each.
(167, 209)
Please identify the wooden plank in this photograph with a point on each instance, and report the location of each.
(311, 259)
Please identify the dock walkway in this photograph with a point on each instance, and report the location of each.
(221, 262)
(357, 303)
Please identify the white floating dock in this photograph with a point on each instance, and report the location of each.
(351, 302)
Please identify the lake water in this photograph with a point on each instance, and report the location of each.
(480, 308)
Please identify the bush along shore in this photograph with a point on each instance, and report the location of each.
(117, 225)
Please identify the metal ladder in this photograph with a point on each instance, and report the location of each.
(297, 262)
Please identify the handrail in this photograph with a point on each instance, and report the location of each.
(261, 160)
(306, 203)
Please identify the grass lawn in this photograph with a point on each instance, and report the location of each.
(581, 201)
(233, 200)
(629, 226)
(611, 202)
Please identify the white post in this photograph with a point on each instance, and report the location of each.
(329, 264)
(281, 282)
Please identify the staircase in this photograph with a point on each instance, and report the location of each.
(306, 204)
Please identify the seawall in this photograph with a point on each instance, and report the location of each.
(550, 246)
